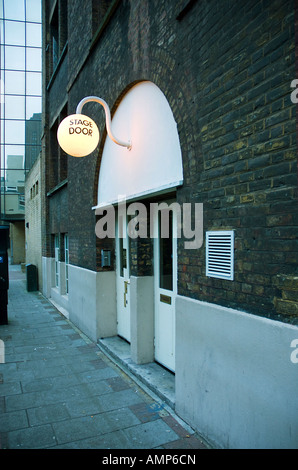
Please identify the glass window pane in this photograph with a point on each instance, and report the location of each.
(2, 158)
(33, 59)
(33, 105)
(166, 251)
(14, 9)
(33, 133)
(33, 83)
(13, 202)
(14, 33)
(14, 83)
(14, 107)
(14, 58)
(33, 34)
(14, 132)
(15, 174)
(2, 123)
(1, 87)
(33, 10)
(14, 177)
(31, 154)
(1, 30)
(10, 150)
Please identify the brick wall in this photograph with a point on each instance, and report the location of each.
(53, 161)
(245, 163)
(33, 217)
(225, 68)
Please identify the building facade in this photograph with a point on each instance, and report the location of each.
(33, 220)
(202, 90)
(20, 105)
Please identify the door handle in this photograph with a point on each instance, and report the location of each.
(126, 283)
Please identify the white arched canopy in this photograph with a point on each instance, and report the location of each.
(154, 163)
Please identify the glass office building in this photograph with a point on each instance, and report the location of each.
(21, 89)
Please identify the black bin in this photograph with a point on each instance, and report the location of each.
(4, 276)
(31, 277)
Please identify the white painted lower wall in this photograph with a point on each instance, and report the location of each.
(235, 382)
(91, 300)
(48, 275)
(57, 295)
(142, 319)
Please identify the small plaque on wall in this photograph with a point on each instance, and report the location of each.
(166, 299)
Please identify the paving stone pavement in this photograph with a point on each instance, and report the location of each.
(59, 391)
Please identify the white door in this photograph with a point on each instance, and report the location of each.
(165, 287)
(123, 279)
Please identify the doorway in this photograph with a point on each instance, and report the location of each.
(123, 276)
(165, 286)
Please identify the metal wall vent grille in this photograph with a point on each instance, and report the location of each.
(220, 254)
